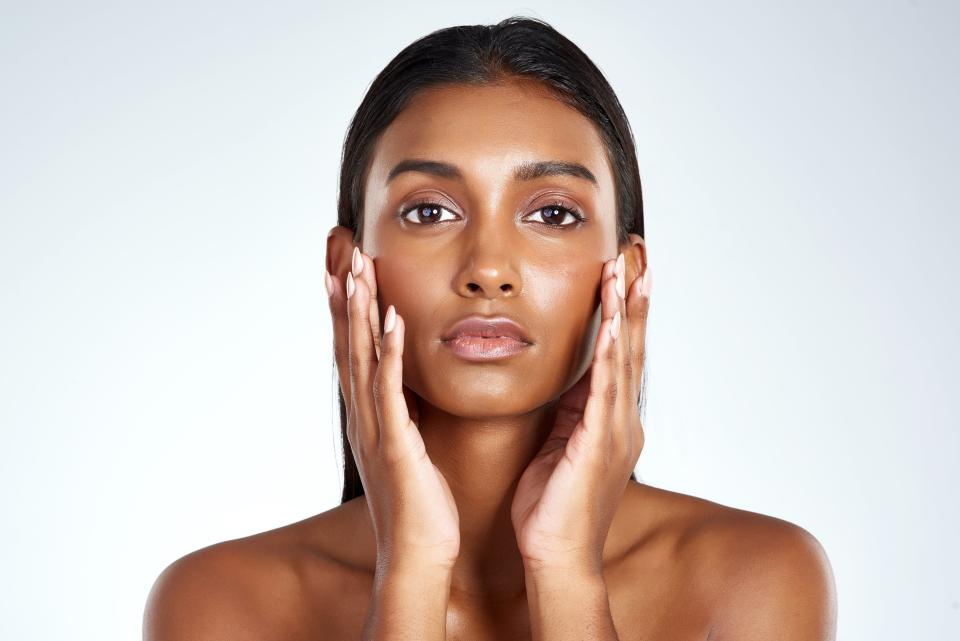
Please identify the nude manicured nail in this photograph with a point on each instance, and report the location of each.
(389, 320)
(357, 261)
(350, 285)
(327, 283)
(615, 326)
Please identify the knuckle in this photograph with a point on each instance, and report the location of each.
(392, 454)
(354, 361)
(360, 446)
(610, 393)
(389, 457)
(353, 438)
(340, 353)
(606, 458)
(358, 363)
(380, 389)
(611, 353)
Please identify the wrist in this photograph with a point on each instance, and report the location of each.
(566, 579)
(416, 566)
(565, 602)
(564, 569)
(409, 601)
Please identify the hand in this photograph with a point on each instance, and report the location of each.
(566, 498)
(413, 511)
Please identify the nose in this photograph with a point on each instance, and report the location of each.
(488, 270)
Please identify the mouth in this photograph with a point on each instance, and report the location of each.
(483, 338)
(479, 348)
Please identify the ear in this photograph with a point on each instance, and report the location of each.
(634, 258)
(339, 257)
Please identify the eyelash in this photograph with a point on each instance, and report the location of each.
(556, 204)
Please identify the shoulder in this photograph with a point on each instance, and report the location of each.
(270, 585)
(775, 579)
(763, 577)
(212, 593)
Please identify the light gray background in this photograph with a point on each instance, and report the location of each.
(168, 179)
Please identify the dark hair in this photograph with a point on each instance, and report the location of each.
(518, 47)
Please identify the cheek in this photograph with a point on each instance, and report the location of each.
(569, 307)
(415, 287)
(397, 281)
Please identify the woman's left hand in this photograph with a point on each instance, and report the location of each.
(566, 498)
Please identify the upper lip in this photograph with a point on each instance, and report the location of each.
(487, 327)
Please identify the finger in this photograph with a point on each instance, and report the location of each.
(362, 361)
(602, 397)
(621, 424)
(638, 307)
(396, 429)
(337, 300)
(623, 339)
(363, 267)
(638, 304)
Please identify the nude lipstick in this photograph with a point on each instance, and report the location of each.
(485, 338)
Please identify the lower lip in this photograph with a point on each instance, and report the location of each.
(476, 348)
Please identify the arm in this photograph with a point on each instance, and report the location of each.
(569, 605)
(408, 603)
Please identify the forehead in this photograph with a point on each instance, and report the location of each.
(487, 129)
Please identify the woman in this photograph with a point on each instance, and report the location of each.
(489, 286)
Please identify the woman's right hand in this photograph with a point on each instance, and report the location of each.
(415, 518)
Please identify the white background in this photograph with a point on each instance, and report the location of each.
(169, 175)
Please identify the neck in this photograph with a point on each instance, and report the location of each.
(482, 459)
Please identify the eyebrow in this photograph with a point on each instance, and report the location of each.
(530, 170)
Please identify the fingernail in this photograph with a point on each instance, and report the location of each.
(350, 285)
(620, 265)
(615, 326)
(645, 285)
(327, 283)
(357, 261)
(389, 320)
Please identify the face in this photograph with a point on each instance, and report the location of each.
(476, 238)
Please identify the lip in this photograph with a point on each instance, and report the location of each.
(476, 348)
(483, 338)
(480, 326)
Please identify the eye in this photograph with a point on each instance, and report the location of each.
(558, 211)
(427, 213)
(430, 213)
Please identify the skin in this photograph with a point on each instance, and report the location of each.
(534, 525)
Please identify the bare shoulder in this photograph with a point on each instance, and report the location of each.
(760, 576)
(270, 585)
(772, 578)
